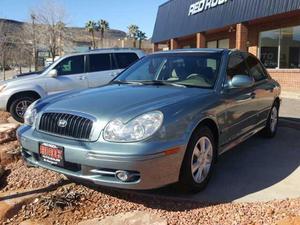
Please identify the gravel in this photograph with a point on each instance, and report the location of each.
(87, 203)
(23, 177)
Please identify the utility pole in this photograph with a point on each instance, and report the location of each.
(35, 55)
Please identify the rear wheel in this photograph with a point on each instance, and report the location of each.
(19, 106)
(272, 123)
(198, 161)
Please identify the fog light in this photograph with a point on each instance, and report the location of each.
(123, 175)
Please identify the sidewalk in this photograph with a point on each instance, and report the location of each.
(291, 94)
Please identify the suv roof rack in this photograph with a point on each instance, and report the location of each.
(105, 49)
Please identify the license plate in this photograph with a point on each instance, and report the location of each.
(52, 154)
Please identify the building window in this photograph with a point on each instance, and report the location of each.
(280, 48)
(223, 43)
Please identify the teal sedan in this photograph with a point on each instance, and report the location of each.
(164, 120)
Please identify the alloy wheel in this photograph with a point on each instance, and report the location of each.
(202, 159)
(22, 106)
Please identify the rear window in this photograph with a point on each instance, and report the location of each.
(99, 62)
(125, 59)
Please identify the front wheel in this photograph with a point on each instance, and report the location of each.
(198, 161)
(272, 123)
(19, 106)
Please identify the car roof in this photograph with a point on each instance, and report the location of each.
(195, 50)
(108, 50)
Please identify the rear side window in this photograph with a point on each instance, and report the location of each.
(236, 66)
(125, 59)
(99, 62)
(255, 68)
(71, 65)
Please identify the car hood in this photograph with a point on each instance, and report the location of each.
(20, 80)
(125, 101)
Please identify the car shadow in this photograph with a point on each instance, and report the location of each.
(251, 167)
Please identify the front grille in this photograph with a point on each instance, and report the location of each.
(75, 126)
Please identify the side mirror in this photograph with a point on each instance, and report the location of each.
(241, 81)
(52, 73)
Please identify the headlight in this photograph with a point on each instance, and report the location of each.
(30, 114)
(137, 129)
(2, 87)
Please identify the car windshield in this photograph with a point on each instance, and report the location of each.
(180, 69)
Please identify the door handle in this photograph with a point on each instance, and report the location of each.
(252, 95)
(246, 97)
(113, 74)
(82, 78)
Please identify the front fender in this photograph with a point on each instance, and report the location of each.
(34, 88)
(198, 119)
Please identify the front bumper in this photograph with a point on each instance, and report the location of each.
(91, 161)
(3, 101)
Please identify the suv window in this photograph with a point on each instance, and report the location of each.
(125, 59)
(236, 66)
(255, 68)
(71, 65)
(99, 62)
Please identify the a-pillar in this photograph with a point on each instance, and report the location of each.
(201, 40)
(241, 37)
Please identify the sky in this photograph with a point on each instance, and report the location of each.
(119, 13)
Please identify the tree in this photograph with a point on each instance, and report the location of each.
(141, 36)
(103, 26)
(5, 45)
(133, 33)
(34, 42)
(91, 27)
(51, 17)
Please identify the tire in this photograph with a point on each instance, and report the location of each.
(190, 179)
(272, 122)
(15, 109)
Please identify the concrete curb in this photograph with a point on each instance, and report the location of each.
(290, 94)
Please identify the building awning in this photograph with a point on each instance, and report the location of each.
(178, 18)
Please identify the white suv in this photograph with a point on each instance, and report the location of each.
(76, 71)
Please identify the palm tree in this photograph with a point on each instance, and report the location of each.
(133, 33)
(141, 36)
(103, 26)
(91, 27)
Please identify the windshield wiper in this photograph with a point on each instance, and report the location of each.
(126, 82)
(161, 82)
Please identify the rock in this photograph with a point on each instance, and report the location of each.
(1, 171)
(290, 221)
(9, 152)
(130, 218)
(8, 132)
(11, 202)
(12, 120)
(32, 222)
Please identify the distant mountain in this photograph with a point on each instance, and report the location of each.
(79, 34)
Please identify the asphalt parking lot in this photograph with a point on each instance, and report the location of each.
(259, 169)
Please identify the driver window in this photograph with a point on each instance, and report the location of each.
(71, 65)
(236, 66)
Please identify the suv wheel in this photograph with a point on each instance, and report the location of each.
(272, 123)
(18, 107)
(198, 162)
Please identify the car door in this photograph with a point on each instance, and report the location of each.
(100, 69)
(70, 75)
(263, 88)
(240, 111)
